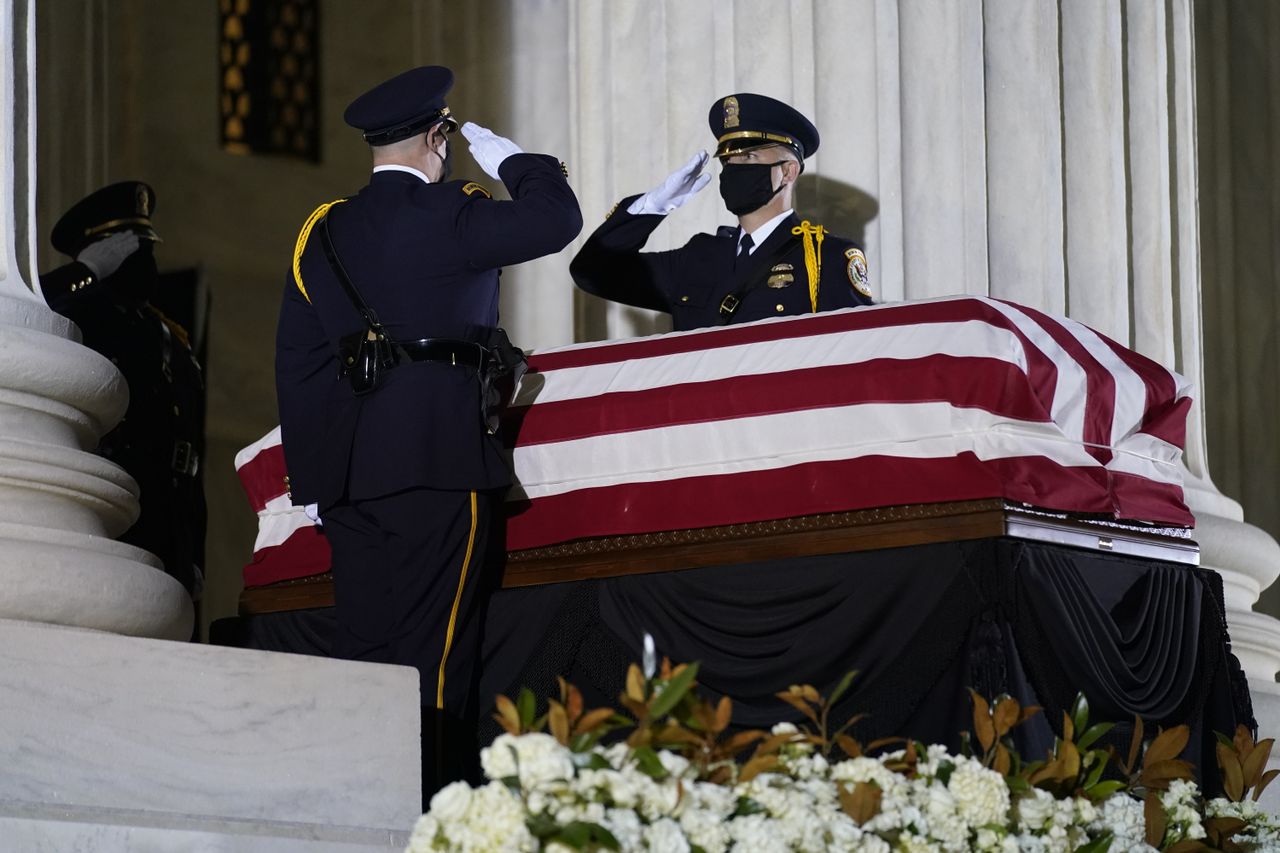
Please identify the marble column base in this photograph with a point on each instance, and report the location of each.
(1266, 709)
(113, 737)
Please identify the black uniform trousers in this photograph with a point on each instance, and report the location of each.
(412, 575)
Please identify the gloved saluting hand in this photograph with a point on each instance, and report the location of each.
(488, 149)
(105, 256)
(680, 186)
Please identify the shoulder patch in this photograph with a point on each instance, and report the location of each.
(857, 270)
(300, 246)
(471, 188)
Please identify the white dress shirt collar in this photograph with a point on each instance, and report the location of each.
(762, 233)
(393, 167)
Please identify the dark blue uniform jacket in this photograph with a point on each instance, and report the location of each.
(426, 258)
(689, 283)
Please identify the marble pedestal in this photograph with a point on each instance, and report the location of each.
(119, 743)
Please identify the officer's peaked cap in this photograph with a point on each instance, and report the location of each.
(747, 120)
(404, 106)
(126, 206)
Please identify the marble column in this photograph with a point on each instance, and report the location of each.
(60, 504)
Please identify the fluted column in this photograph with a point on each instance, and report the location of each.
(60, 504)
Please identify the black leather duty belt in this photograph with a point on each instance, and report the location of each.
(446, 351)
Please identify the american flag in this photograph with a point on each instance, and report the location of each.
(942, 400)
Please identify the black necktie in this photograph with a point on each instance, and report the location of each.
(744, 248)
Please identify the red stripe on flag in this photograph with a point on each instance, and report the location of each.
(983, 383)
(304, 553)
(808, 489)
(263, 476)
(1100, 385)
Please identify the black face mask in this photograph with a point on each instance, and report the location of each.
(748, 186)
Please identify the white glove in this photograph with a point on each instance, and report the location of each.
(488, 149)
(680, 186)
(105, 256)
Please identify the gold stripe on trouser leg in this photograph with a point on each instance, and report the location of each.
(457, 601)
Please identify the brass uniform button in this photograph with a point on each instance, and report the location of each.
(779, 306)
(684, 299)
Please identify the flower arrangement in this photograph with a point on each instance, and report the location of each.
(681, 781)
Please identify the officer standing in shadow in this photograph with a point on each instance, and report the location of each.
(773, 264)
(106, 291)
(388, 365)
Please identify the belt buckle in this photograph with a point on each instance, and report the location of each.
(185, 459)
(729, 304)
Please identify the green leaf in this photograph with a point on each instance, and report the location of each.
(649, 763)
(1099, 764)
(945, 769)
(1098, 845)
(527, 705)
(513, 785)
(1080, 712)
(747, 806)
(579, 834)
(1018, 784)
(1103, 790)
(673, 692)
(542, 825)
(841, 687)
(590, 761)
(1091, 736)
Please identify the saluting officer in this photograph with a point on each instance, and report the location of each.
(773, 264)
(106, 291)
(389, 438)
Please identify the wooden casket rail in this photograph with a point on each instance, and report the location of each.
(813, 535)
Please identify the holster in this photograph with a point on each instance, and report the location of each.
(364, 356)
(504, 366)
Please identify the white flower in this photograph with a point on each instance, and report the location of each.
(450, 802)
(1034, 810)
(664, 836)
(981, 794)
(424, 835)
(539, 757)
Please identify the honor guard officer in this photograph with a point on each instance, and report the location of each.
(772, 264)
(106, 291)
(387, 352)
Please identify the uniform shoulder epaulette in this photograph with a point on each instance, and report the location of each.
(472, 188)
(300, 246)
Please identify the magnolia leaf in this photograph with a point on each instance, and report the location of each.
(1243, 741)
(635, 684)
(580, 835)
(881, 743)
(1070, 761)
(756, 766)
(1068, 728)
(1080, 713)
(1220, 829)
(594, 718)
(649, 763)
(1134, 745)
(841, 687)
(851, 747)
(1160, 774)
(673, 691)
(1099, 759)
(982, 725)
(747, 807)
(558, 721)
(1002, 761)
(724, 712)
(1090, 737)
(1188, 845)
(507, 715)
(862, 803)
(1262, 785)
(1098, 845)
(1028, 712)
(796, 701)
(1232, 775)
(810, 694)
(850, 723)
(1103, 790)
(1168, 744)
(740, 741)
(575, 704)
(527, 704)
(1005, 715)
(1256, 762)
(1156, 819)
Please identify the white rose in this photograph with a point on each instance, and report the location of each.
(450, 803)
(664, 836)
(424, 834)
(1034, 809)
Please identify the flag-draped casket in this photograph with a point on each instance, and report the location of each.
(943, 400)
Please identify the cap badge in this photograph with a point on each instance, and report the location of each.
(144, 201)
(857, 271)
(730, 112)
